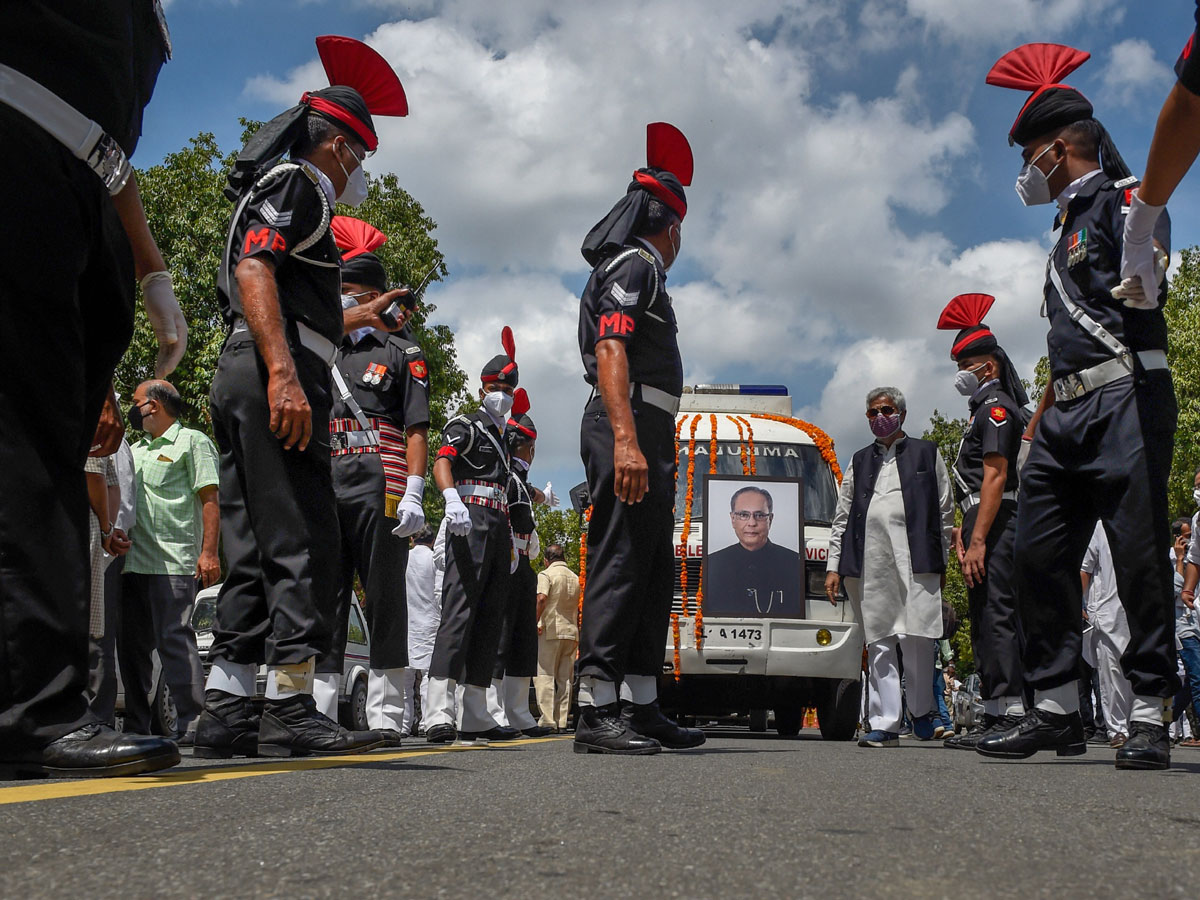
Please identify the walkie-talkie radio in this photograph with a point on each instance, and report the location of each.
(391, 315)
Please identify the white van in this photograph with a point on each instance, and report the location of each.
(754, 663)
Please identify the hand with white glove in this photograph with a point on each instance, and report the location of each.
(550, 498)
(1143, 264)
(458, 517)
(410, 512)
(166, 318)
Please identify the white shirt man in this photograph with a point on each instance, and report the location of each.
(1109, 635)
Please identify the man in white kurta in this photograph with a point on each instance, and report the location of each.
(424, 581)
(1109, 635)
(901, 612)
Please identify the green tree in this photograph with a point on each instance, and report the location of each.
(947, 433)
(189, 217)
(558, 526)
(1183, 355)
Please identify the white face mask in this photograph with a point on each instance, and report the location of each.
(355, 191)
(1033, 185)
(1196, 496)
(498, 403)
(965, 381)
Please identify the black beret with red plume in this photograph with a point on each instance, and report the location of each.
(356, 239)
(669, 169)
(502, 368)
(518, 420)
(362, 84)
(965, 313)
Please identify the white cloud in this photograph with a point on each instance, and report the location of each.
(1135, 72)
(524, 129)
(1001, 20)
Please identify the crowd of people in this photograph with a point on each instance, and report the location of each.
(320, 408)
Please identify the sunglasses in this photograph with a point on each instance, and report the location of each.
(881, 411)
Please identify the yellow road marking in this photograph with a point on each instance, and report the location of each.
(86, 787)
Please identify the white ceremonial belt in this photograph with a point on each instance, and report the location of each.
(482, 491)
(972, 499)
(84, 138)
(668, 403)
(1079, 383)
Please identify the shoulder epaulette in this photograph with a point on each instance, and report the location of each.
(647, 256)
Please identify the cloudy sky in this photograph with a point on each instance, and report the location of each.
(852, 169)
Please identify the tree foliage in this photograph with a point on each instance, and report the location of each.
(1183, 356)
(947, 433)
(559, 526)
(189, 217)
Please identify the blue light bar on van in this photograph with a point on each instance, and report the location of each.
(761, 390)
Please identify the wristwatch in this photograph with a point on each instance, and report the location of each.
(105, 535)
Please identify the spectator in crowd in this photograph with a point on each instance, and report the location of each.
(558, 637)
(1108, 636)
(102, 649)
(105, 541)
(943, 720)
(174, 549)
(1187, 629)
(423, 581)
(890, 539)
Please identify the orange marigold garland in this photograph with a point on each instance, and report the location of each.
(750, 441)
(698, 629)
(675, 637)
(687, 515)
(820, 438)
(741, 444)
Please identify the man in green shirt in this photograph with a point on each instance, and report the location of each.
(174, 549)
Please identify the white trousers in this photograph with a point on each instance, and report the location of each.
(326, 687)
(516, 702)
(1116, 693)
(883, 670)
(440, 708)
(473, 709)
(386, 698)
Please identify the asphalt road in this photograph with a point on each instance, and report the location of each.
(744, 816)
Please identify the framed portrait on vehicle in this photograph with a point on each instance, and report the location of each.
(754, 547)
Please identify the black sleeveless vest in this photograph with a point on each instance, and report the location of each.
(916, 459)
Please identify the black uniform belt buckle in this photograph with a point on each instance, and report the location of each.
(338, 442)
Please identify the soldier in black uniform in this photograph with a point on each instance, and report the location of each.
(74, 79)
(279, 287)
(1103, 434)
(378, 435)
(516, 663)
(986, 476)
(472, 471)
(627, 337)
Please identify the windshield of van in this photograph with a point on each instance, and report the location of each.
(778, 460)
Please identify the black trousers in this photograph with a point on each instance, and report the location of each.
(1103, 456)
(378, 557)
(474, 598)
(996, 635)
(156, 614)
(278, 520)
(519, 638)
(66, 316)
(627, 600)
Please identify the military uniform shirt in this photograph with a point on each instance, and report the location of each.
(1088, 259)
(397, 387)
(285, 211)
(520, 504)
(1188, 65)
(626, 300)
(472, 455)
(995, 427)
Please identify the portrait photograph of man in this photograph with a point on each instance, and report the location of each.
(754, 529)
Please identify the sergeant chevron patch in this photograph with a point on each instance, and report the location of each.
(624, 297)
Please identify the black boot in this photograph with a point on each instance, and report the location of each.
(294, 727)
(1036, 730)
(1148, 747)
(228, 727)
(647, 719)
(602, 730)
(94, 751)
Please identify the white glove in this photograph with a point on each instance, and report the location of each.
(1143, 265)
(514, 558)
(535, 545)
(458, 518)
(551, 499)
(166, 318)
(410, 512)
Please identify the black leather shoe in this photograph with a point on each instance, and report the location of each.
(1148, 747)
(442, 734)
(96, 751)
(390, 736)
(602, 730)
(538, 731)
(647, 719)
(1036, 730)
(228, 727)
(499, 733)
(968, 739)
(294, 727)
